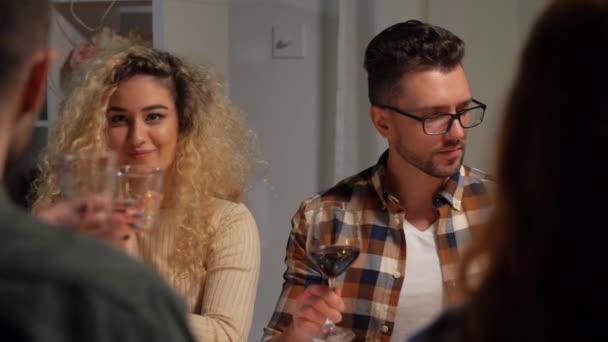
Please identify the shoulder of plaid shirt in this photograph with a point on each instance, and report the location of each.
(371, 286)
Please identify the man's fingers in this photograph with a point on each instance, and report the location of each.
(329, 295)
(120, 227)
(93, 215)
(310, 313)
(307, 327)
(318, 304)
(313, 307)
(318, 290)
(97, 203)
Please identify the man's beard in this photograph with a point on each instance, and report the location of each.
(428, 165)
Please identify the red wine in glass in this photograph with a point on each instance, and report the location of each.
(334, 260)
(333, 243)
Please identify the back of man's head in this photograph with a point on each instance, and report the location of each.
(23, 29)
(408, 47)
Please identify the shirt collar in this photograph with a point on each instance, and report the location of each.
(451, 193)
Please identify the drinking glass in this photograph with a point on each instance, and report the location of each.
(333, 243)
(83, 175)
(139, 193)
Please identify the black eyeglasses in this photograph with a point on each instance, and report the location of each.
(441, 123)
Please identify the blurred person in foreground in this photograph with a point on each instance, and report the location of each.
(56, 284)
(545, 252)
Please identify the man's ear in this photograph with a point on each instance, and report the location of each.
(380, 120)
(34, 90)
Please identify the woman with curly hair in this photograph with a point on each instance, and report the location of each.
(151, 108)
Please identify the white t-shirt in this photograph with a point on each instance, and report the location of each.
(421, 297)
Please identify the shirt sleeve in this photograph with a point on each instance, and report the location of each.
(233, 267)
(299, 274)
(38, 310)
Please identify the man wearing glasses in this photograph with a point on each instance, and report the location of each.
(419, 205)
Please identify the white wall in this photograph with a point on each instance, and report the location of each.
(283, 100)
(290, 101)
(490, 31)
(493, 31)
(197, 29)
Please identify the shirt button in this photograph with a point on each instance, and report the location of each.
(397, 274)
(385, 329)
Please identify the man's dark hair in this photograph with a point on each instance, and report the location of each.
(24, 26)
(406, 47)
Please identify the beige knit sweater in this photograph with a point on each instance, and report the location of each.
(222, 297)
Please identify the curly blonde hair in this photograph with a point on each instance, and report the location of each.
(215, 153)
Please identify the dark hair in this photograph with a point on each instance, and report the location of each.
(545, 246)
(23, 28)
(406, 47)
(163, 66)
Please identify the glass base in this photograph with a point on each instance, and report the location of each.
(336, 334)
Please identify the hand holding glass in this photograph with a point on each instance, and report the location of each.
(333, 243)
(89, 177)
(139, 194)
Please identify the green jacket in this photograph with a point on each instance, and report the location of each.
(56, 285)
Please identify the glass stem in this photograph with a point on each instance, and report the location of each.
(328, 325)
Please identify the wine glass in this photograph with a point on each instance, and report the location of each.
(85, 174)
(333, 243)
(139, 194)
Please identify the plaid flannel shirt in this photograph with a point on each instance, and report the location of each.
(371, 286)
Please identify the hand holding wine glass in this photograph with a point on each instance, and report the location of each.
(333, 243)
(312, 308)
